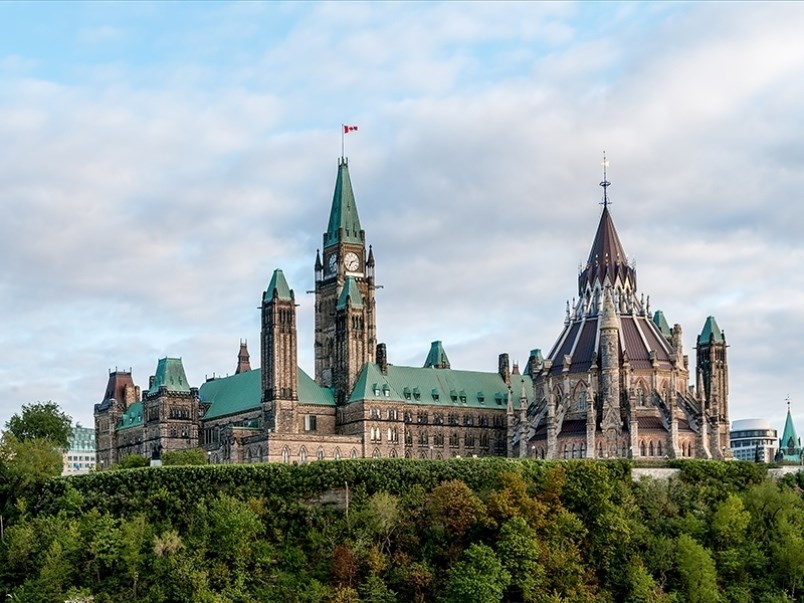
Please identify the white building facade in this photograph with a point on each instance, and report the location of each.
(753, 440)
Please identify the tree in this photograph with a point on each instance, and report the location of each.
(191, 456)
(696, 570)
(24, 467)
(478, 577)
(43, 420)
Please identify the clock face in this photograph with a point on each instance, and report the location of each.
(331, 263)
(351, 261)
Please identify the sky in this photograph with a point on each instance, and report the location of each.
(159, 160)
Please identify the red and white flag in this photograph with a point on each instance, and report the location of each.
(347, 129)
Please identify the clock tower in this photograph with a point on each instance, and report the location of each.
(343, 256)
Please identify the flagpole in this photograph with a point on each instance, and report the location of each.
(343, 135)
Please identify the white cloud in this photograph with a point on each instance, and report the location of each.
(146, 206)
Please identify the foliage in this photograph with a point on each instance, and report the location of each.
(496, 530)
(132, 461)
(43, 420)
(191, 456)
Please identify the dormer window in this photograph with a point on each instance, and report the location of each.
(481, 397)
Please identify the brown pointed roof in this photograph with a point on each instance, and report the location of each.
(607, 257)
(243, 362)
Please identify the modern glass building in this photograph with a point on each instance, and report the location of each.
(80, 454)
(753, 440)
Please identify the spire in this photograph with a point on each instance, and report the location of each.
(277, 287)
(605, 184)
(790, 441)
(350, 295)
(711, 331)
(607, 257)
(436, 357)
(243, 362)
(344, 223)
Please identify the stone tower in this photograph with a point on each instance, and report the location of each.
(712, 385)
(170, 408)
(278, 339)
(344, 257)
(352, 345)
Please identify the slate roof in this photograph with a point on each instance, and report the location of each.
(638, 336)
(344, 223)
(115, 388)
(607, 257)
(438, 387)
(243, 393)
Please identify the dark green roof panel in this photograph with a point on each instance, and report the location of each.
(661, 323)
(170, 374)
(243, 393)
(442, 387)
(344, 223)
(350, 295)
(131, 418)
(711, 330)
(279, 286)
(436, 357)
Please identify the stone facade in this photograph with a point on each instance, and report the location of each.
(615, 384)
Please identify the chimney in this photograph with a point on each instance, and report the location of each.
(382, 358)
(504, 368)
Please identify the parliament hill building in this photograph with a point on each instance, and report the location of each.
(615, 384)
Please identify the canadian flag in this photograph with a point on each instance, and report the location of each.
(347, 129)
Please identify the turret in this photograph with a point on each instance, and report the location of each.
(280, 380)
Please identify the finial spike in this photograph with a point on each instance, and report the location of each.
(605, 184)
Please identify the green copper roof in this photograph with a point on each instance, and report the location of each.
(440, 387)
(437, 357)
(132, 417)
(661, 323)
(789, 439)
(351, 294)
(170, 373)
(279, 286)
(243, 392)
(710, 329)
(344, 224)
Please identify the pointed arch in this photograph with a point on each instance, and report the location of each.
(642, 448)
(422, 455)
(407, 454)
(337, 455)
(650, 449)
(393, 453)
(302, 455)
(659, 449)
(439, 457)
(286, 455)
(320, 454)
(376, 454)
(353, 453)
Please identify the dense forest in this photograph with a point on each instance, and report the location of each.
(380, 531)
